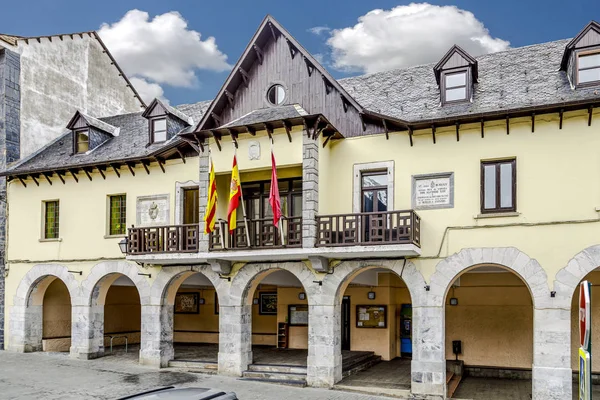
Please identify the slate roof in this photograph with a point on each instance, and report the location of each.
(508, 80)
(268, 114)
(131, 143)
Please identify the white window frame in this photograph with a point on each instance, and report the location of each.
(359, 169)
(179, 188)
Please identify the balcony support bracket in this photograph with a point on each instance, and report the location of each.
(222, 267)
(319, 263)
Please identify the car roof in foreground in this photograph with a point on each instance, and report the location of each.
(188, 393)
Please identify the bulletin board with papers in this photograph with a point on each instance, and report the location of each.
(371, 316)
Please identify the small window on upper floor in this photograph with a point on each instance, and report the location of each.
(588, 68)
(51, 215)
(159, 130)
(498, 186)
(276, 95)
(455, 86)
(82, 141)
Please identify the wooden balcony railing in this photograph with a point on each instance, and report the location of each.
(373, 228)
(263, 234)
(163, 239)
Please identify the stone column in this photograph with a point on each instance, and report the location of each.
(10, 137)
(428, 366)
(310, 190)
(552, 374)
(156, 347)
(87, 332)
(203, 178)
(235, 339)
(26, 329)
(324, 346)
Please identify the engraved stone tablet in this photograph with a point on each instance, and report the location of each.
(254, 150)
(152, 210)
(433, 191)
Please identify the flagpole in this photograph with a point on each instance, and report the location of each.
(281, 217)
(243, 204)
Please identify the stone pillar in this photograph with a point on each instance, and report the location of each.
(203, 178)
(552, 374)
(310, 190)
(235, 339)
(87, 332)
(156, 348)
(10, 136)
(324, 346)
(26, 329)
(428, 366)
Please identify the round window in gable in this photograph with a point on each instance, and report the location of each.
(276, 95)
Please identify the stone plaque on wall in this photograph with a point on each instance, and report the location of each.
(153, 210)
(433, 191)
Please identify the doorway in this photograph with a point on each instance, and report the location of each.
(191, 206)
(374, 200)
(346, 323)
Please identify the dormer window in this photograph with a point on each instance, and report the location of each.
(456, 74)
(159, 130)
(454, 86)
(588, 68)
(82, 141)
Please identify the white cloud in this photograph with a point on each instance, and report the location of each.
(162, 50)
(415, 34)
(317, 30)
(148, 90)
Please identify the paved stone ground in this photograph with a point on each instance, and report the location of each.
(393, 374)
(53, 376)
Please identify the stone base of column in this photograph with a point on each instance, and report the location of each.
(157, 358)
(23, 348)
(235, 339)
(83, 354)
(233, 364)
(323, 371)
(428, 380)
(552, 383)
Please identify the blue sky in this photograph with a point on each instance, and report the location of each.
(232, 23)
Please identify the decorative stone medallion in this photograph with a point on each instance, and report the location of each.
(254, 150)
(153, 210)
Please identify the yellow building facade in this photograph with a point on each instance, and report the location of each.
(401, 240)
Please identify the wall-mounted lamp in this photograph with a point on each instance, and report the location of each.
(75, 272)
(319, 282)
(228, 278)
(123, 246)
(453, 301)
(371, 295)
(427, 288)
(148, 275)
(302, 296)
(255, 301)
(201, 301)
(553, 294)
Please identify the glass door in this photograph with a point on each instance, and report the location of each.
(374, 199)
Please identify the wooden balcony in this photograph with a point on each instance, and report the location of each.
(368, 229)
(263, 235)
(163, 239)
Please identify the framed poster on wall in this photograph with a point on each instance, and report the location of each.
(298, 314)
(371, 316)
(268, 303)
(187, 303)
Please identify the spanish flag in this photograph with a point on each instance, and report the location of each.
(211, 205)
(235, 193)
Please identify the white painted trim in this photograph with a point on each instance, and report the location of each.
(359, 169)
(179, 186)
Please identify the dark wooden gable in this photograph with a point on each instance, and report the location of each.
(456, 57)
(588, 37)
(273, 56)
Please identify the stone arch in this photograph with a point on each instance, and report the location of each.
(250, 275)
(170, 279)
(567, 278)
(335, 284)
(509, 258)
(27, 310)
(102, 275)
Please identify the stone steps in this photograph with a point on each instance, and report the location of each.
(290, 375)
(203, 367)
(360, 364)
(452, 382)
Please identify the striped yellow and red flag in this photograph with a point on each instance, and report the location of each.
(235, 193)
(210, 215)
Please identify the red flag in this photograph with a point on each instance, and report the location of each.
(274, 199)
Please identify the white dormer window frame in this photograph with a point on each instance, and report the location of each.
(591, 67)
(81, 140)
(450, 83)
(159, 135)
